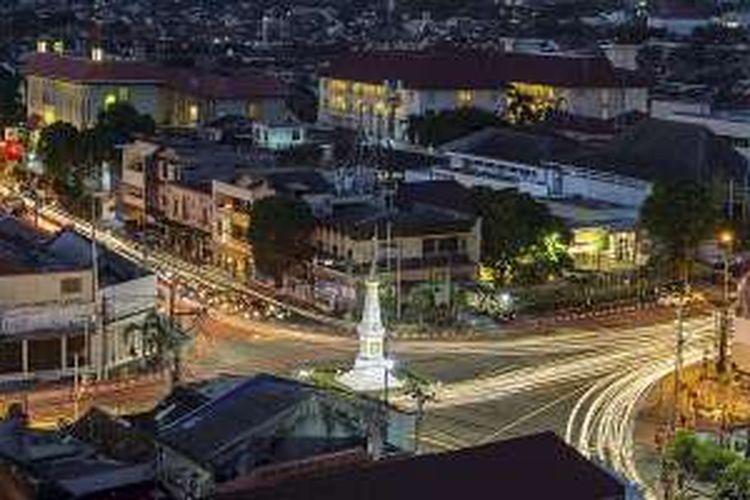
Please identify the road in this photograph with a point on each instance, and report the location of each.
(583, 381)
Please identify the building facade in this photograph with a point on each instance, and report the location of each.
(51, 321)
(379, 92)
(76, 90)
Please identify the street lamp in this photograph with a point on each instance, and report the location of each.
(726, 240)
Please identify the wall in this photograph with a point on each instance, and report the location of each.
(188, 207)
(43, 288)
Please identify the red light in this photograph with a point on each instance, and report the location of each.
(12, 150)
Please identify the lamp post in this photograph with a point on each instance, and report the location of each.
(726, 240)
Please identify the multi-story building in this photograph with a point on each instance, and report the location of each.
(76, 90)
(378, 92)
(600, 206)
(50, 320)
(166, 183)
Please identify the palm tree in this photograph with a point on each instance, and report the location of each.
(161, 342)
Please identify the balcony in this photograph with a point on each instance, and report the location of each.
(21, 320)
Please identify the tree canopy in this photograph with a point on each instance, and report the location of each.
(678, 217)
(438, 128)
(521, 240)
(11, 106)
(280, 230)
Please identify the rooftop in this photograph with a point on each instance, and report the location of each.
(192, 81)
(23, 250)
(476, 70)
(539, 466)
(361, 220)
(218, 423)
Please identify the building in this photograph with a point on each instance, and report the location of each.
(279, 134)
(51, 323)
(211, 437)
(599, 205)
(430, 234)
(76, 90)
(54, 464)
(533, 467)
(167, 184)
(377, 92)
(233, 202)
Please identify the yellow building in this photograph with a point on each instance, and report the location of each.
(76, 90)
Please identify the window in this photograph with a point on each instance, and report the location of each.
(70, 285)
(123, 94)
(465, 97)
(448, 245)
(193, 113)
(296, 136)
(429, 246)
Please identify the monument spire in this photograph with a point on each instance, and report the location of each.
(371, 369)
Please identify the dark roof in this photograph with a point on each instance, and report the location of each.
(75, 249)
(662, 150)
(445, 194)
(360, 221)
(529, 147)
(539, 466)
(204, 432)
(214, 86)
(76, 69)
(23, 249)
(195, 82)
(477, 70)
(298, 181)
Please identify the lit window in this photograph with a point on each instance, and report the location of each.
(97, 54)
(465, 97)
(110, 100)
(49, 115)
(193, 113)
(58, 47)
(41, 46)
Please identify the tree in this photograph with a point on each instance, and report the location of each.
(437, 128)
(280, 230)
(58, 146)
(121, 121)
(678, 217)
(11, 106)
(734, 482)
(521, 240)
(161, 342)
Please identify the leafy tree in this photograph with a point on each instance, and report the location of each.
(120, 121)
(734, 482)
(11, 106)
(58, 145)
(280, 230)
(438, 128)
(678, 218)
(161, 342)
(521, 240)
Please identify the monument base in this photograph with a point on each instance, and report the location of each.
(368, 376)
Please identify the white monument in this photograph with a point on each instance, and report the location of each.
(372, 370)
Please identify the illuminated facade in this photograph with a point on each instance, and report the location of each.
(378, 92)
(76, 90)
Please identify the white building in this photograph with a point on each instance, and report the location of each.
(379, 91)
(52, 316)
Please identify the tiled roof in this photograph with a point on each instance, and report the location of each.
(535, 467)
(194, 82)
(475, 70)
(209, 429)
